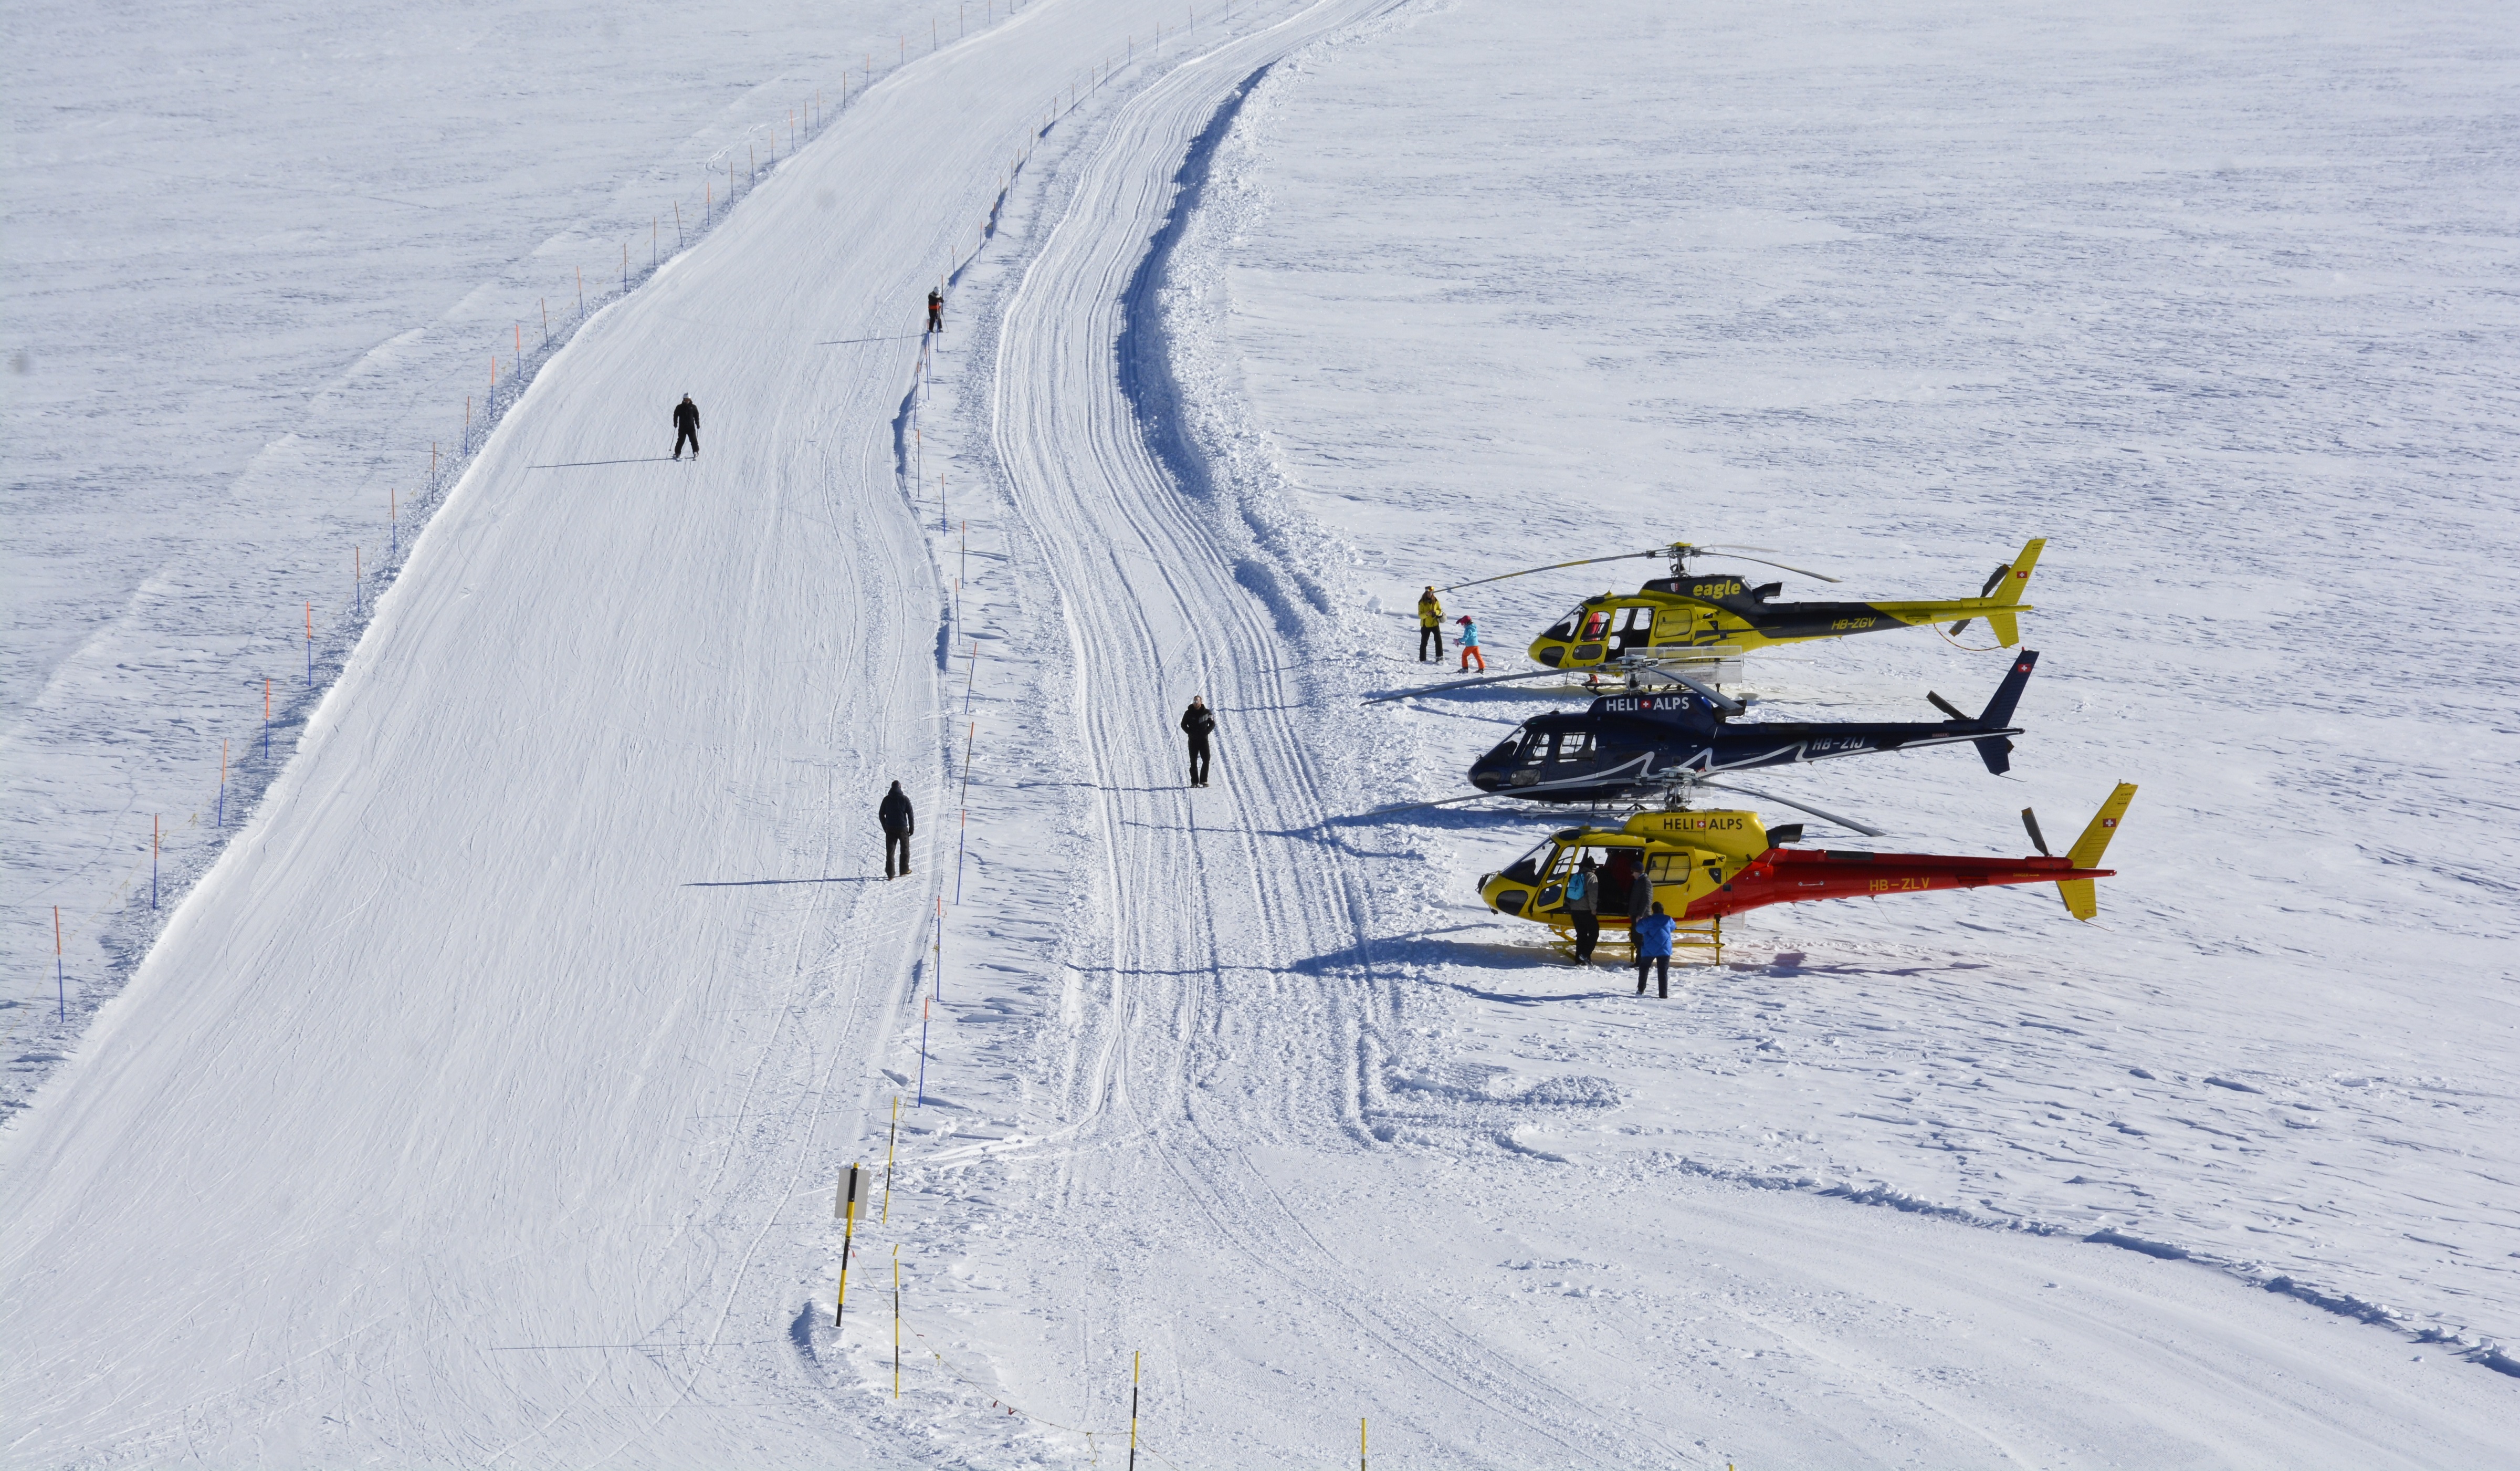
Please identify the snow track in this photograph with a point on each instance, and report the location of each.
(482, 1106)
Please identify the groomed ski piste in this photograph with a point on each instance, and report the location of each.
(483, 1103)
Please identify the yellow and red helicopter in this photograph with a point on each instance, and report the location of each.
(1706, 614)
(1707, 864)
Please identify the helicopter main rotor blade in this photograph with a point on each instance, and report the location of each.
(1704, 691)
(1461, 684)
(1661, 551)
(1419, 806)
(1736, 551)
(1845, 822)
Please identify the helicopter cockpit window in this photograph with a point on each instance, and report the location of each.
(1596, 624)
(1573, 746)
(1564, 627)
(1526, 869)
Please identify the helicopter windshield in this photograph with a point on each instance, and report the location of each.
(1564, 627)
(1526, 869)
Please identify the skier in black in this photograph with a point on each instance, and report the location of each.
(1198, 722)
(687, 426)
(935, 311)
(898, 824)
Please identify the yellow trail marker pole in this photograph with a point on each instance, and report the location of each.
(845, 1207)
(1360, 1443)
(1132, 1409)
(890, 1137)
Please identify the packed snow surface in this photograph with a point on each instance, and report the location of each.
(484, 1102)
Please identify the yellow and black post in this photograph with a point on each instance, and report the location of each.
(1134, 1359)
(890, 1137)
(845, 1207)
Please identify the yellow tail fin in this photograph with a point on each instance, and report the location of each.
(2006, 626)
(2082, 895)
(2017, 581)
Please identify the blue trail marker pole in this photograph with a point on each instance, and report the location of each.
(61, 986)
(266, 722)
(311, 646)
(223, 785)
(154, 822)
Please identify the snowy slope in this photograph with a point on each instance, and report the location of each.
(2214, 300)
(537, 1001)
(484, 1104)
(258, 256)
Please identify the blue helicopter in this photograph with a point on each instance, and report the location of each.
(1629, 747)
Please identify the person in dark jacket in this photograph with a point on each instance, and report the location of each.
(1584, 906)
(1653, 948)
(935, 311)
(1640, 898)
(898, 824)
(687, 427)
(1198, 722)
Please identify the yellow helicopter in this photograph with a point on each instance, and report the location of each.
(1707, 614)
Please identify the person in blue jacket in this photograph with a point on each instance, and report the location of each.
(1469, 640)
(1653, 950)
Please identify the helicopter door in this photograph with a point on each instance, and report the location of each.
(1635, 631)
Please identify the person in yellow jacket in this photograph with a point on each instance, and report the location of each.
(1430, 625)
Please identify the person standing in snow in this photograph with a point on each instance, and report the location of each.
(1584, 906)
(898, 824)
(1640, 898)
(1198, 722)
(687, 427)
(1653, 950)
(935, 311)
(1430, 625)
(1470, 645)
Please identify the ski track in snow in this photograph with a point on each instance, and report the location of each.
(529, 1164)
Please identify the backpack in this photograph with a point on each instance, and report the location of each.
(1579, 886)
